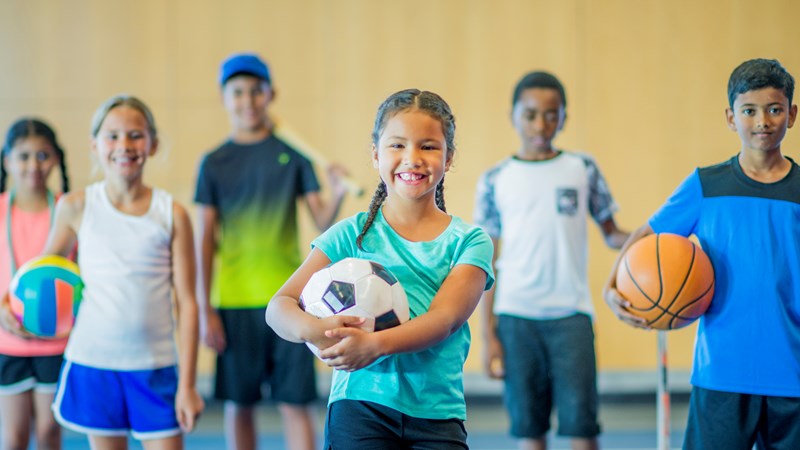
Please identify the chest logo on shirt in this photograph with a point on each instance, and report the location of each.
(567, 201)
(283, 159)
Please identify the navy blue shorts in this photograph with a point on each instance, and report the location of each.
(731, 421)
(357, 425)
(255, 355)
(101, 402)
(19, 374)
(550, 363)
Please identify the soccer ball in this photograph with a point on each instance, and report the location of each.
(356, 287)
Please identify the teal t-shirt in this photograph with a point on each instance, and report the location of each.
(426, 384)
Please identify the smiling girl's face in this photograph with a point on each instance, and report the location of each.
(411, 155)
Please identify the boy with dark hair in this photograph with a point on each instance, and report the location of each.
(537, 326)
(746, 214)
(247, 191)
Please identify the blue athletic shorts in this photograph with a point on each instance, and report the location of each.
(550, 363)
(20, 374)
(114, 403)
(733, 421)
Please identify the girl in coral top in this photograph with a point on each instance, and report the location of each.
(28, 367)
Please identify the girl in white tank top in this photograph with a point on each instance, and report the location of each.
(135, 250)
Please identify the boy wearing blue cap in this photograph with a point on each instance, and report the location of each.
(247, 191)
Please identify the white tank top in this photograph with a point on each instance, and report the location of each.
(125, 321)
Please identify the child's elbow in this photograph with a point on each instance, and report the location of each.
(454, 325)
(271, 315)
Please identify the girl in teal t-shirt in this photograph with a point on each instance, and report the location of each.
(404, 384)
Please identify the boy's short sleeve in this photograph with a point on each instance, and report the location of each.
(601, 204)
(486, 214)
(205, 192)
(681, 212)
(307, 181)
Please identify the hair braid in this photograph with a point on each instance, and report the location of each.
(3, 174)
(440, 195)
(62, 164)
(374, 206)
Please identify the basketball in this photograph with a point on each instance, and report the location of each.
(667, 279)
(45, 294)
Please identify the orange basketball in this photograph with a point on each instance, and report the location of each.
(667, 279)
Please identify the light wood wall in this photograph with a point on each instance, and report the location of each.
(646, 82)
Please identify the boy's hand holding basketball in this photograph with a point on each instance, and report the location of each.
(618, 306)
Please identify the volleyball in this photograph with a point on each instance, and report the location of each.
(45, 294)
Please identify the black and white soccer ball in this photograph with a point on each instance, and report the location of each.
(356, 287)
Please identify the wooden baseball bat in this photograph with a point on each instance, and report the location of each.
(291, 137)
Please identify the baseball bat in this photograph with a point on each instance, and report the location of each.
(291, 137)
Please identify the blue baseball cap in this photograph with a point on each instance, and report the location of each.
(243, 63)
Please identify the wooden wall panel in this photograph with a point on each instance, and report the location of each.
(646, 82)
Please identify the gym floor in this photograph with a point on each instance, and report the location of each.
(628, 421)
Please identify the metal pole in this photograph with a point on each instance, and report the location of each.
(662, 400)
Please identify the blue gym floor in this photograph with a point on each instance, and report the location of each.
(628, 423)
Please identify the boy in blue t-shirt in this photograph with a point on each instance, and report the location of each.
(745, 213)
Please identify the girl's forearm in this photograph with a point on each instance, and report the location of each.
(188, 336)
(286, 318)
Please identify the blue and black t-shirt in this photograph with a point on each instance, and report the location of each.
(749, 340)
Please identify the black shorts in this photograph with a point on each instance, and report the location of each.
(352, 424)
(731, 421)
(22, 373)
(550, 363)
(254, 355)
